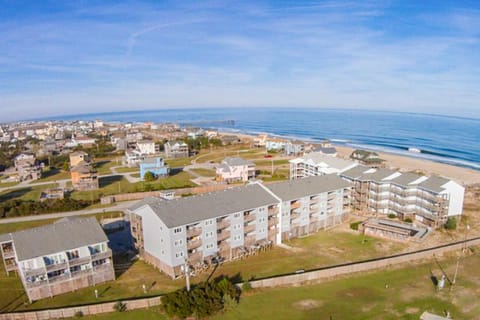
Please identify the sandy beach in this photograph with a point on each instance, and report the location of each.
(462, 175)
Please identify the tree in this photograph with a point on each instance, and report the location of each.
(149, 176)
(451, 223)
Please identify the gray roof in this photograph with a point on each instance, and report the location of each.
(183, 211)
(434, 183)
(152, 160)
(235, 161)
(334, 162)
(406, 178)
(65, 234)
(295, 189)
(355, 172)
(325, 150)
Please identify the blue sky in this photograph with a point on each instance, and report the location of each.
(64, 57)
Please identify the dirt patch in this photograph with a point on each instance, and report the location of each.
(335, 249)
(307, 304)
(411, 310)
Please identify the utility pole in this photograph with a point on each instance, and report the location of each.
(464, 250)
(187, 274)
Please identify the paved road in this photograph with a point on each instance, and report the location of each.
(121, 206)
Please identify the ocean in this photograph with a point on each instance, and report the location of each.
(452, 140)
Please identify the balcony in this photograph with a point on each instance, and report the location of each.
(78, 261)
(272, 211)
(222, 224)
(225, 234)
(194, 231)
(102, 267)
(249, 241)
(249, 217)
(195, 257)
(295, 205)
(62, 277)
(34, 272)
(249, 228)
(56, 266)
(102, 255)
(272, 222)
(192, 244)
(8, 254)
(10, 266)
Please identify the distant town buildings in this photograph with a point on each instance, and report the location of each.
(65, 256)
(83, 176)
(231, 223)
(233, 169)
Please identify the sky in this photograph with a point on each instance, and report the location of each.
(74, 57)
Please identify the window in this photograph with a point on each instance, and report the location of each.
(261, 209)
(163, 252)
(209, 234)
(179, 254)
(236, 226)
(236, 215)
(177, 230)
(209, 246)
(178, 242)
(209, 222)
(237, 237)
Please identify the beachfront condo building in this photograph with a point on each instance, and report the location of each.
(198, 230)
(317, 164)
(67, 255)
(430, 200)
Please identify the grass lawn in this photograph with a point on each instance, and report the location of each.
(127, 169)
(53, 175)
(103, 166)
(8, 184)
(204, 172)
(27, 193)
(266, 163)
(398, 293)
(174, 163)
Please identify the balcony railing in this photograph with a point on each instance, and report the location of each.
(195, 257)
(8, 254)
(225, 234)
(249, 228)
(194, 231)
(34, 272)
(224, 223)
(295, 205)
(249, 217)
(78, 261)
(56, 266)
(102, 255)
(272, 211)
(192, 244)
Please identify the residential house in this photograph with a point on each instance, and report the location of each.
(65, 256)
(260, 140)
(230, 139)
(146, 147)
(329, 151)
(27, 168)
(228, 224)
(315, 164)
(133, 158)
(430, 200)
(235, 169)
(154, 165)
(77, 157)
(295, 148)
(52, 194)
(275, 144)
(176, 149)
(84, 177)
(368, 158)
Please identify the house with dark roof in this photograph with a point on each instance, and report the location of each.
(193, 231)
(67, 255)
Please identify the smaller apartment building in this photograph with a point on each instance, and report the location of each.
(228, 224)
(67, 255)
(430, 200)
(317, 164)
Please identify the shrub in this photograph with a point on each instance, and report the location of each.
(247, 286)
(149, 176)
(120, 306)
(451, 223)
(79, 314)
(354, 225)
(408, 220)
(392, 216)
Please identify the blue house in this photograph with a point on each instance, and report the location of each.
(154, 165)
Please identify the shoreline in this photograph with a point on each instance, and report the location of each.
(463, 175)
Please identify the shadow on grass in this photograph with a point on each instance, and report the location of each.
(175, 171)
(106, 181)
(14, 194)
(15, 303)
(50, 173)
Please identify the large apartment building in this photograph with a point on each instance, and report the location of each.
(430, 200)
(316, 164)
(67, 255)
(227, 224)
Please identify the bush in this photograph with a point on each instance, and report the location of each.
(79, 314)
(392, 216)
(354, 225)
(408, 220)
(120, 306)
(247, 286)
(205, 299)
(149, 176)
(451, 224)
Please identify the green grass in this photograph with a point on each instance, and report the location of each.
(204, 172)
(174, 163)
(396, 293)
(127, 169)
(103, 166)
(8, 184)
(53, 175)
(266, 163)
(27, 193)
